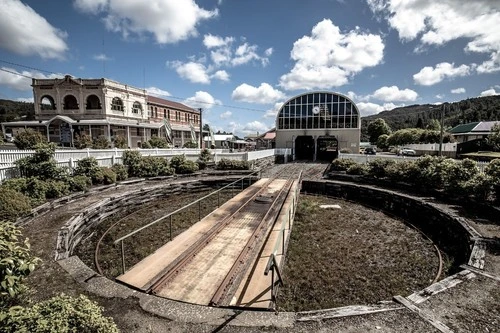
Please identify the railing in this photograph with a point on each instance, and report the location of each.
(169, 215)
(273, 265)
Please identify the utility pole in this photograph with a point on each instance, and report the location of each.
(442, 129)
(201, 128)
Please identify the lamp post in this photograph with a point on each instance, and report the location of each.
(441, 131)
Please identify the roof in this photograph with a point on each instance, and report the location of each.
(32, 123)
(269, 136)
(171, 104)
(478, 127)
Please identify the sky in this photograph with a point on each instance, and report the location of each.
(240, 60)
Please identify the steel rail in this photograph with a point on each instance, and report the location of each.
(251, 243)
(194, 249)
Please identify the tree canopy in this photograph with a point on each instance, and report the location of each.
(377, 128)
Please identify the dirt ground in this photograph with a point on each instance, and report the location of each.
(359, 262)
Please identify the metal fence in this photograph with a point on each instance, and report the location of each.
(108, 157)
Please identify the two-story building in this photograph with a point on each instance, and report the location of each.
(65, 108)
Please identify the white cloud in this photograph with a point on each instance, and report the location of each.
(439, 96)
(13, 79)
(393, 93)
(272, 113)
(458, 91)
(328, 58)
(153, 91)
(254, 127)
(202, 99)
(101, 57)
(211, 41)
(489, 92)
(23, 31)
(225, 53)
(169, 21)
(225, 115)
(221, 75)
(429, 76)
(366, 108)
(439, 22)
(192, 71)
(264, 94)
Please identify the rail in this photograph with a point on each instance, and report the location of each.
(169, 215)
(272, 264)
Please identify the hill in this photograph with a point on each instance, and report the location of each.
(462, 112)
(13, 110)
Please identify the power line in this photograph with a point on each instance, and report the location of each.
(173, 97)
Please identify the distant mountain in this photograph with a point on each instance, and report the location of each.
(13, 110)
(466, 111)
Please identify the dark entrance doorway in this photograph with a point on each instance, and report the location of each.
(304, 148)
(328, 148)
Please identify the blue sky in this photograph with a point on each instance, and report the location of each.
(240, 60)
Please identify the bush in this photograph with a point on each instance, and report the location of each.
(187, 167)
(29, 139)
(41, 164)
(101, 142)
(342, 164)
(204, 158)
(357, 169)
(56, 189)
(107, 176)
(82, 141)
(191, 144)
(345, 151)
(87, 166)
(157, 142)
(62, 314)
(13, 204)
(16, 263)
(34, 188)
(377, 167)
(120, 142)
(132, 160)
(480, 186)
(79, 183)
(146, 145)
(121, 171)
(225, 164)
(493, 169)
(457, 173)
(152, 166)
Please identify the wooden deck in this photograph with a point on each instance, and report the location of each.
(233, 240)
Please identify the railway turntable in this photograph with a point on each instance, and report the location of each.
(232, 257)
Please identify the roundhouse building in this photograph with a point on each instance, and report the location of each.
(316, 125)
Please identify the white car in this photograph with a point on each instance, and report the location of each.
(407, 152)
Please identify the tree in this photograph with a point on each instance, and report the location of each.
(494, 138)
(433, 125)
(28, 139)
(377, 128)
(382, 141)
(206, 128)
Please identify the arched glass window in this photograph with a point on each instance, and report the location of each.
(137, 108)
(47, 103)
(318, 110)
(117, 104)
(93, 102)
(70, 102)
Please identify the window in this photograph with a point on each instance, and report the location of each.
(93, 103)
(164, 113)
(47, 103)
(137, 108)
(117, 104)
(70, 102)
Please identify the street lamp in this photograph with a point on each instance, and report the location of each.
(441, 132)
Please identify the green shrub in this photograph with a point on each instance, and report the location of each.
(132, 160)
(480, 186)
(345, 151)
(457, 173)
(13, 204)
(342, 164)
(493, 170)
(29, 139)
(79, 183)
(187, 167)
(146, 145)
(108, 176)
(405, 171)
(61, 314)
(226, 164)
(120, 142)
(191, 144)
(101, 142)
(176, 161)
(87, 166)
(34, 188)
(41, 164)
(157, 142)
(121, 171)
(16, 263)
(152, 166)
(82, 141)
(357, 169)
(56, 189)
(204, 158)
(377, 167)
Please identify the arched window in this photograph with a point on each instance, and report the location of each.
(70, 102)
(47, 103)
(117, 104)
(137, 108)
(93, 102)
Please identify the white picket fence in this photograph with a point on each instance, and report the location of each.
(108, 157)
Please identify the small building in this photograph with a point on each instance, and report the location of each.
(315, 125)
(65, 108)
(472, 131)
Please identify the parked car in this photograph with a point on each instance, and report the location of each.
(370, 151)
(407, 152)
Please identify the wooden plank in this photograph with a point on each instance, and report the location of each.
(424, 315)
(480, 272)
(477, 255)
(346, 311)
